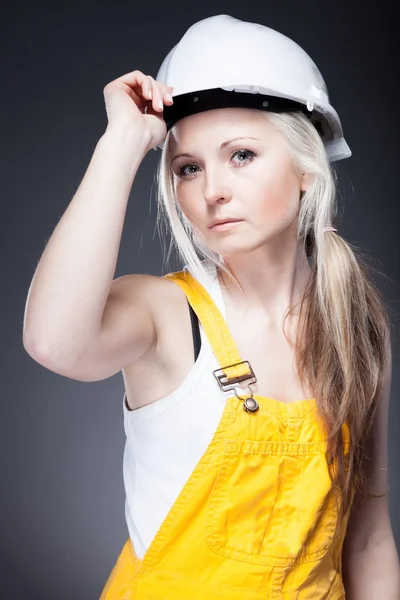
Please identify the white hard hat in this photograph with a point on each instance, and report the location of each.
(223, 62)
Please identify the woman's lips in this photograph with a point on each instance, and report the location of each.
(225, 226)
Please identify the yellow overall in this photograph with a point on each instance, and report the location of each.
(257, 517)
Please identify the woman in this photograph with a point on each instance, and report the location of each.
(255, 466)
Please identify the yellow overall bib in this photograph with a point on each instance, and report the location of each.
(257, 517)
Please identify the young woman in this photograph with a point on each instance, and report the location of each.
(257, 378)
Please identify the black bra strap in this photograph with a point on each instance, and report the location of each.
(195, 331)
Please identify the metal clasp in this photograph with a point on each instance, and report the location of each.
(228, 383)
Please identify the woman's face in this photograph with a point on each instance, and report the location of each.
(251, 179)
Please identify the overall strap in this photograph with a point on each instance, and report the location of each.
(233, 368)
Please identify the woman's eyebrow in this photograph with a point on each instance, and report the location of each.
(221, 147)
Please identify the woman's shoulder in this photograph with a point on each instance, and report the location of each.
(159, 293)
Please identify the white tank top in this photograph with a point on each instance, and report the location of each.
(166, 439)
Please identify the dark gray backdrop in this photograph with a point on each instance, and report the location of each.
(62, 440)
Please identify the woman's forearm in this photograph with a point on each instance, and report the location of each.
(71, 284)
(374, 572)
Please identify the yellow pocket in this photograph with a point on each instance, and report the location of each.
(272, 503)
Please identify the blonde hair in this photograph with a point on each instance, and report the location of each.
(346, 326)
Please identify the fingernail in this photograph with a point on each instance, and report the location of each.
(168, 97)
(161, 104)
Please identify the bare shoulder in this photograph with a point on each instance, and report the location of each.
(150, 290)
(150, 299)
(138, 285)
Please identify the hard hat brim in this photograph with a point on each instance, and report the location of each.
(199, 101)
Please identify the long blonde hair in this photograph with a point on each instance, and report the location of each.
(346, 325)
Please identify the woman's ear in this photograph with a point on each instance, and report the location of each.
(305, 181)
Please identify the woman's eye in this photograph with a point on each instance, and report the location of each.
(241, 152)
(182, 171)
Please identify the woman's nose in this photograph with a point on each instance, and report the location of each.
(215, 189)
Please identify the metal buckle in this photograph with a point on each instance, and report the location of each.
(227, 383)
(250, 404)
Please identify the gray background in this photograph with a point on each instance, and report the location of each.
(62, 441)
